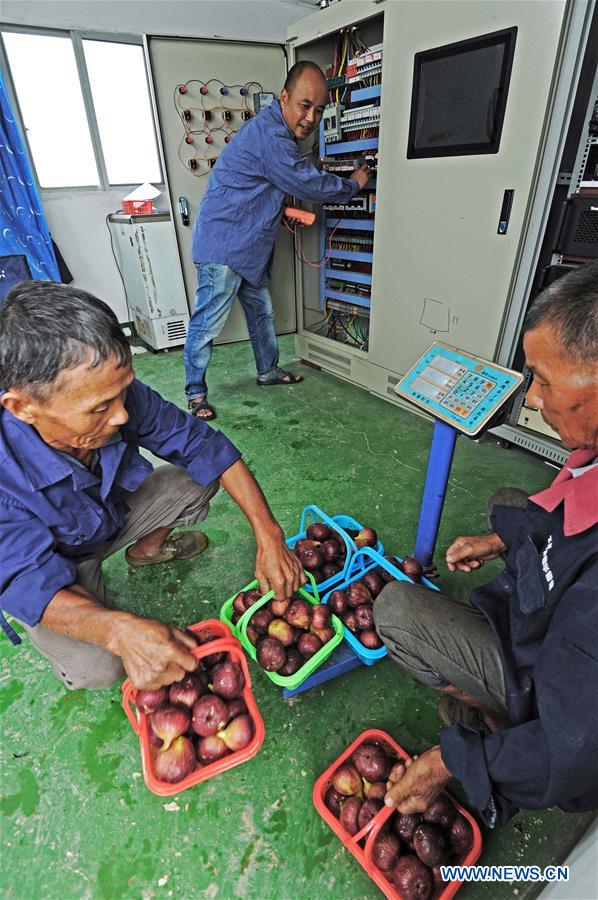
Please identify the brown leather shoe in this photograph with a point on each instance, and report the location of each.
(182, 545)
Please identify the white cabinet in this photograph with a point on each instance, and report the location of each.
(150, 268)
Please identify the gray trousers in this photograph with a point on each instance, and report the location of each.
(168, 498)
(440, 641)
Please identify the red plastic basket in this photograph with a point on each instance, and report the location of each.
(218, 638)
(363, 855)
(138, 207)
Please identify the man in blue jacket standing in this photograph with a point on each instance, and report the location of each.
(519, 666)
(238, 222)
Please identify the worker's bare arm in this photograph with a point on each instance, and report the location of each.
(152, 653)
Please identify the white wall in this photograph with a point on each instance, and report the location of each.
(77, 219)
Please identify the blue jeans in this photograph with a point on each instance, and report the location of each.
(217, 287)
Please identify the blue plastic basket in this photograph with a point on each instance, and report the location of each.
(338, 523)
(365, 560)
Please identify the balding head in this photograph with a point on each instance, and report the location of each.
(303, 98)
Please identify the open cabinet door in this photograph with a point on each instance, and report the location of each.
(460, 150)
(192, 62)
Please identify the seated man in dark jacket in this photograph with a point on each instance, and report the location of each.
(520, 666)
(74, 489)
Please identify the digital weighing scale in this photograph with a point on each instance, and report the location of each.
(463, 392)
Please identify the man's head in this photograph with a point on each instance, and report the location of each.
(561, 349)
(65, 364)
(303, 98)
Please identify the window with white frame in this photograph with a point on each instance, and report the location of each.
(85, 108)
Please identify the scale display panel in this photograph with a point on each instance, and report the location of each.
(460, 389)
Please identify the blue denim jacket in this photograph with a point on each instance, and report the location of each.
(54, 513)
(241, 211)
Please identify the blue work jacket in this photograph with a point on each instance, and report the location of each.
(54, 512)
(543, 610)
(241, 212)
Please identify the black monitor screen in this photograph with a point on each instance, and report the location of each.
(459, 96)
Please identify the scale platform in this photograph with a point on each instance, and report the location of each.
(458, 388)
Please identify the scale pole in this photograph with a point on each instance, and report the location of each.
(437, 475)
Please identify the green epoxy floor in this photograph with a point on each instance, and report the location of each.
(77, 820)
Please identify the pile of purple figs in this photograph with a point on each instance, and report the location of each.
(323, 551)
(354, 605)
(409, 849)
(197, 720)
(285, 633)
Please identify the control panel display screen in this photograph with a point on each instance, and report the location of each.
(460, 389)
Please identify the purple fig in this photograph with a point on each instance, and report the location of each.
(318, 532)
(371, 762)
(430, 845)
(299, 614)
(260, 620)
(350, 814)
(385, 850)
(211, 748)
(347, 780)
(293, 662)
(364, 617)
(169, 722)
(367, 537)
(370, 640)
(333, 801)
(271, 655)
(374, 582)
(308, 645)
(175, 762)
(331, 550)
(312, 559)
(228, 680)
(282, 631)
(441, 812)
(147, 701)
(368, 810)
(209, 715)
(358, 594)
(338, 603)
(238, 733)
(460, 836)
(412, 879)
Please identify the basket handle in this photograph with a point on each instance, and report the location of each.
(379, 821)
(244, 620)
(129, 705)
(314, 586)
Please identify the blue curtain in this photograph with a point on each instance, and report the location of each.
(23, 228)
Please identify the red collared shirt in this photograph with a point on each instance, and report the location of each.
(579, 494)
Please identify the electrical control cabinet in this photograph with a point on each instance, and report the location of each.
(150, 270)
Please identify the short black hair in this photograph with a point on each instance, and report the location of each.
(296, 71)
(46, 328)
(570, 306)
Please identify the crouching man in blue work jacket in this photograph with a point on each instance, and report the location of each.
(519, 667)
(238, 222)
(74, 489)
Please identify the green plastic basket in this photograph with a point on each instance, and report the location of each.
(310, 665)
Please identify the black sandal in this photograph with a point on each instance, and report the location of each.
(281, 379)
(196, 405)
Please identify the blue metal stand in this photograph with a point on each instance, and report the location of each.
(342, 660)
(437, 475)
